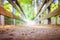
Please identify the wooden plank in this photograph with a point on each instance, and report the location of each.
(7, 13)
(54, 13)
(44, 8)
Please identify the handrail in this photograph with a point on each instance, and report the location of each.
(54, 13)
(4, 12)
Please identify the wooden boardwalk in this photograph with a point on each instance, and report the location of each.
(39, 32)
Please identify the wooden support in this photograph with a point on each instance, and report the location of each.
(14, 12)
(17, 7)
(7, 13)
(40, 7)
(54, 13)
(1, 16)
(44, 8)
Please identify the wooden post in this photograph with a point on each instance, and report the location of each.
(49, 19)
(1, 16)
(14, 21)
(59, 15)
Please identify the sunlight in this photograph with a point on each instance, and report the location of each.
(29, 22)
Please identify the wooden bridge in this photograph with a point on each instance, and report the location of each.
(38, 31)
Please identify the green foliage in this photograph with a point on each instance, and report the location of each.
(17, 14)
(25, 1)
(27, 8)
(19, 22)
(8, 20)
(54, 6)
(8, 6)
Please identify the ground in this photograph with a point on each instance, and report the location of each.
(30, 32)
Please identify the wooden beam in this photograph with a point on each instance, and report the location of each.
(4, 12)
(21, 10)
(17, 7)
(40, 7)
(54, 13)
(44, 8)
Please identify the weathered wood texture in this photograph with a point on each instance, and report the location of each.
(4, 12)
(24, 32)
